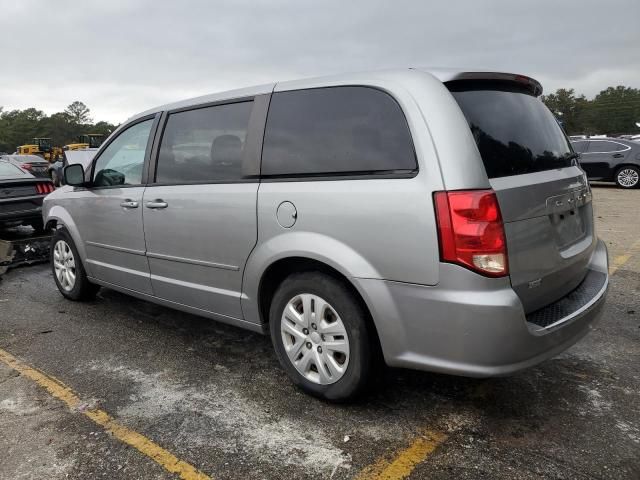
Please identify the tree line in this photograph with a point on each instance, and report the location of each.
(20, 127)
(613, 111)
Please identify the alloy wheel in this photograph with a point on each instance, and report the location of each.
(628, 177)
(315, 339)
(64, 265)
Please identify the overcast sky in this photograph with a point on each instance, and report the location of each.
(124, 56)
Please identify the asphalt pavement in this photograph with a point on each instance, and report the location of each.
(120, 388)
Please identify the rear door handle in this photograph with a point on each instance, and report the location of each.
(157, 204)
(129, 204)
(617, 155)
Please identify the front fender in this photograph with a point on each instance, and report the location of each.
(309, 245)
(62, 217)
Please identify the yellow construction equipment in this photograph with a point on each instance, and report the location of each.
(41, 146)
(87, 140)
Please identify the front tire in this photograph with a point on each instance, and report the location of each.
(321, 336)
(68, 271)
(628, 177)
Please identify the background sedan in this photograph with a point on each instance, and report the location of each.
(21, 196)
(34, 164)
(610, 160)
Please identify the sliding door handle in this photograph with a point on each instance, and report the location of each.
(156, 204)
(129, 204)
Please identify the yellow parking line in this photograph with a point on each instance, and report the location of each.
(620, 260)
(57, 389)
(404, 461)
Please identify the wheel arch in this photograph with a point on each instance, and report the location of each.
(58, 217)
(288, 245)
(289, 252)
(279, 270)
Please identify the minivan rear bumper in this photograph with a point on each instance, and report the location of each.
(475, 326)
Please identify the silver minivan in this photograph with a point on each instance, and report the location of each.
(436, 219)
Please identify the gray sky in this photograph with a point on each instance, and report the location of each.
(121, 57)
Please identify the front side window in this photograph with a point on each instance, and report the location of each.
(336, 130)
(204, 145)
(122, 161)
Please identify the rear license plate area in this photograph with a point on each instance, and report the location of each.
(567, 217)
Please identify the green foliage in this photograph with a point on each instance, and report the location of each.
(613, 111)
(78, 112)
(19, 127)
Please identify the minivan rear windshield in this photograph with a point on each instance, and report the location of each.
(515, 132)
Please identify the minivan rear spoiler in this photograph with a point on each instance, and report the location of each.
(449, 75)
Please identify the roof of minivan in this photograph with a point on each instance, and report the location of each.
(442, 74)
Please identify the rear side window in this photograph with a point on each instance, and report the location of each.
(514, 131)
(580, 146)
(336, 130)
(204, 145)
(604, 146)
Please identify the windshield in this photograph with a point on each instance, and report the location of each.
(26, 158)
(514, 131)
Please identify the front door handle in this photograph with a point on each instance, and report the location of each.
(157, 203)
(128, 203)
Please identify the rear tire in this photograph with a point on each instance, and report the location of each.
(333, 359)
(68, 271)
(628, 177)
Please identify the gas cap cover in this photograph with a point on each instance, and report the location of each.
(287, 214)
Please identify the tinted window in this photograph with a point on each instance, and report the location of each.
(514, 131)
(204, 145)
(336, 130)
(122, 161)
(580, 146)
(603, 146)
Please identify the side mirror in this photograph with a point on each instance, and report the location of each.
(74, 175)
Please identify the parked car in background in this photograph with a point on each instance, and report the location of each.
(21, 196)
(34, 164)
(70, 157)
(610, 160)
(436, 217)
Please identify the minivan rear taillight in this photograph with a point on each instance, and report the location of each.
(471, 231)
